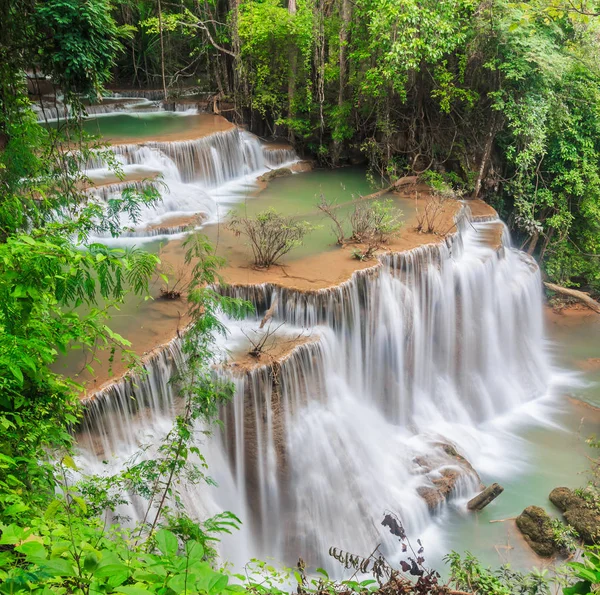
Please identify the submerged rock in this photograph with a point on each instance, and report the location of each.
(581, 515)
(535, 525)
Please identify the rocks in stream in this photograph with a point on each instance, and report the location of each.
(275, 173)
(580, 514)
(443, 470)
(536, 527)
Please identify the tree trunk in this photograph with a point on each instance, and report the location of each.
(533, 243)
(485, 158)
(162, 51)
(484, 498)
(293, 73)
(581, 296)
(346, 15)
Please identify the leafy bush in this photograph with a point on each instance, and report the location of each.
(271, 234)
(372, 223)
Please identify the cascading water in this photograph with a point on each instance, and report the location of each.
(196, 175)
(409, 366)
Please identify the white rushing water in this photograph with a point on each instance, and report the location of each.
(204, 176)
(415, 360)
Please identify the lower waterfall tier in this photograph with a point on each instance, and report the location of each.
(409, 366)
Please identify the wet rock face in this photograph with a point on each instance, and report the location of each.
(581, 515)
(443, 472)
(534, 523)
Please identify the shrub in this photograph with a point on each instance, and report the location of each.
(271, 234)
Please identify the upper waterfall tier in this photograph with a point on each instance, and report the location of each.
(413, 358)
(213, 160)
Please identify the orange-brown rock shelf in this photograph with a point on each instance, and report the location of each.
(161, 319)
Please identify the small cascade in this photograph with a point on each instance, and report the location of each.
(277, 157)
(106, 191)
(213, 160)
(151, 94)
(413, 360)
(117, 413)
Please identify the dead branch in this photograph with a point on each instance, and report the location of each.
(269, 314)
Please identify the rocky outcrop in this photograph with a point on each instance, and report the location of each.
(535, 525)
(443, 471)
(580, 514)
(275, 173)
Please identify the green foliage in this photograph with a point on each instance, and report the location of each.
(587, 573)
(271, 234)
(79, 41)
(63, 550)
(564, 536)
(469, 575)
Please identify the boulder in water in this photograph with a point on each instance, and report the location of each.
(583, 516)
(275, 173)
(444, 470)
(535, 525)
(564, 498)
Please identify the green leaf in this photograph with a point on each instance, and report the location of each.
(110, 568)
(131, 590)
(58, 567)
(167, 542)
(580, 588)
(69, 462)
(33, 549)
(217, 584)
(194, 550)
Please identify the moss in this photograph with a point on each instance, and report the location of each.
(585, 519)
(276, 173)
(534, 523)
(564, 499)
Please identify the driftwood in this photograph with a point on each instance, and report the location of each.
(484, 498)
(269, 313)
(580, 296)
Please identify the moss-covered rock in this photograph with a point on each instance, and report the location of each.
(275, 173)
(564, 498)
(586, 521)
(580, 514)
(535, 525)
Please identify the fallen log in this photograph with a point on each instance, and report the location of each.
(399, 183)
(580, 296)
(484, 498)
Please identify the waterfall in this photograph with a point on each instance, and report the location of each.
(410, 364)
(194, 175)
(212, 160)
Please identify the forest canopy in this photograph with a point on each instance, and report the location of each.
(500, 98)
